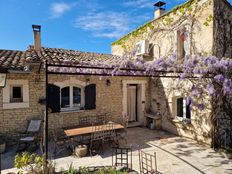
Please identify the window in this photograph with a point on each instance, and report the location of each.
(71, 98)
(181, 38)
(76, 97)
(16, 94)
(65, 97)
(183, 108)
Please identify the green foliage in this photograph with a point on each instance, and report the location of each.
(142, 29)
(208, 20)
(84, 170)
(32, 163)
(227, 150)
(108, 170)
(166, 20)
(72, 170)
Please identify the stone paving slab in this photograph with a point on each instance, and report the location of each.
(175, 155)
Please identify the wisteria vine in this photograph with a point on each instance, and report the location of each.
(217, 71)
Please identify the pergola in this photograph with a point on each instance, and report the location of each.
(72, 69)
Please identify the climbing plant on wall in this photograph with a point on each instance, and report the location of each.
(185, 14)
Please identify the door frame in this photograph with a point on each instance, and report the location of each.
(143, 96)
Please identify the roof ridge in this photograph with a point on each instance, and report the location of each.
(43, 47)
(10, 50)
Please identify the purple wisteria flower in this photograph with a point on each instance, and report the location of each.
(200, 106)
(188, 100)
(219, 78)
(227, 86)
(210, 89)
(195, 91)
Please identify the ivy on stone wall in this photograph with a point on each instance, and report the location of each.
(188, 9)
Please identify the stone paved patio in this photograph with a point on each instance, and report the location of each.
(174, 155)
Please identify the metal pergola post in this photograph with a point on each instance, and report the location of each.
(45, 133)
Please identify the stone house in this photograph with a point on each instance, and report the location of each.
(70, 96)
(195, 27)
(142, 99)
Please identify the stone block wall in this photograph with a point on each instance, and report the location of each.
(162, 32)
(108, 101)
(15, 120)
(163, 91)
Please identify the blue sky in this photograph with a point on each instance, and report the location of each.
(85, 25)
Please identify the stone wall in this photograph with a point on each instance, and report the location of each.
(15, 120)
(222, 29)
(108, 100)
(163, 91)
(162, 32)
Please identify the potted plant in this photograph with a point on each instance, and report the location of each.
(2, 143)
(81, 151)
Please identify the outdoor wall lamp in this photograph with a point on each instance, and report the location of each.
(108, 82)
(2, 77)
(87, 81)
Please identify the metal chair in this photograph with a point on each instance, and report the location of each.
(97, 136)
(122, 157)
(60, 142)
(122, 134)
(100, 119)
(30, 136)
(85, 121)
(147, 163)
(108, 117)
(110, 133)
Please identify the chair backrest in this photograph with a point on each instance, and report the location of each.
(109, 131)
(34, 126)
(123, 121)
(122, 157)
(97, 133)
(108, 117)
(100, 119)
(85, 121)
(147, 163)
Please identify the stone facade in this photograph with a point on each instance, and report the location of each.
(15, 120)
(201, 20)
(108, 101)
(165, 91)
(162, 32)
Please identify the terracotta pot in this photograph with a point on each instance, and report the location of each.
(2, 147)
(81, 151)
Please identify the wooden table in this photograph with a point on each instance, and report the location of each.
(88, 130)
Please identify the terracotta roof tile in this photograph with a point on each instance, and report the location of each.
(13, 59)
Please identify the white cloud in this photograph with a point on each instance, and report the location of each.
(58, 9)
(108, 24)
(138, 3)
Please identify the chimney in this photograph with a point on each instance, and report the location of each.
(159, 9)
(37, 38)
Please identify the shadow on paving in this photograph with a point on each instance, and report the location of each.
(143, 138)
